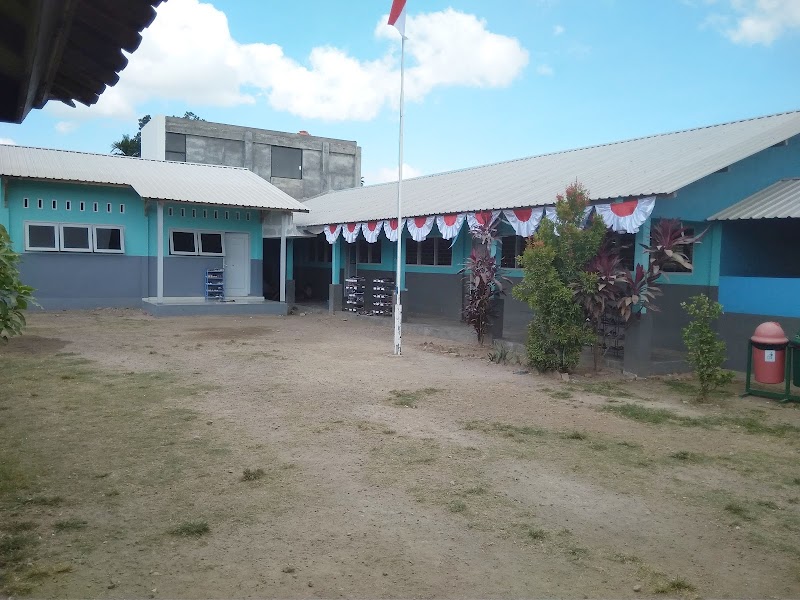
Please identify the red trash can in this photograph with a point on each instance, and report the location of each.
(769, 353)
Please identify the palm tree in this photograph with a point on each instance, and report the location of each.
(127, 146)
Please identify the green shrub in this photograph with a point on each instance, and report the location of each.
(14, 297)
(705, 352)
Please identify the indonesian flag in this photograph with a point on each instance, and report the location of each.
(420, 227)
(397, 16)
(449, 225)
(371, 230)
(485, 217)
(332, 233)
(391, 229)
(350, 232)
(626, 216)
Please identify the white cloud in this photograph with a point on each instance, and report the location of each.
(545, 70)
(751, 22)
(387, 174)
(558, 30)
(7, 141)
(64, 127)
(188, 54)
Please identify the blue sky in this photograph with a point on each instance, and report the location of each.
(487, 81)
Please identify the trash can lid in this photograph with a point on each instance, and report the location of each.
(769, 333)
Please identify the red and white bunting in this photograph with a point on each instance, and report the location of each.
(332, 233)
(450, 225)
(484, 217)
(419, 227)
(626, 216)
(350, 232)
(525, 221)
(390, 228)
(371, 230)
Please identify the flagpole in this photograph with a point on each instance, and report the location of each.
(398, 307)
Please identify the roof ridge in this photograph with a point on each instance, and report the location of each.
(119, 156)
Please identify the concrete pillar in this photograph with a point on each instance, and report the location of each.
(283, 259)
(642, 237)
(290, 258)
(336, 261)
(248, 150)
(638, 346)
(160, 252)
(335, 298)
(290, 291)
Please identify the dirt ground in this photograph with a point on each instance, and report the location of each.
(434, 474)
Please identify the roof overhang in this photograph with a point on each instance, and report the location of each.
(781, 200)
(67, 50)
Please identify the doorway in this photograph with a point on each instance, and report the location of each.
(237, 264)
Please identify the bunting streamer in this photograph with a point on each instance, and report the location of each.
(419, 227)
(626, 216)
(371, 230)
(350, 232)
(484, 217)
(450, 225)
(390, 228)
(525, 221)
(332, 233)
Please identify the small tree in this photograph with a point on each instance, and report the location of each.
(485, 280)
(14, 296)
(706, 352)
(553, 262)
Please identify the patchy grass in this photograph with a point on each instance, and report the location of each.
(505, 429)
(195, 528)
(738, 510)
(686, 456)
(535, 533)
(457, 506)
(661, 416)
(575, 435)
(561, 394)
(252, 474)
(606, 389)
(409, 398)
(678, 584)
(70, 524)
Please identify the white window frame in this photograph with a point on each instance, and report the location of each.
(198, 250)
(89, 234)
(106, 251)
(57, 237)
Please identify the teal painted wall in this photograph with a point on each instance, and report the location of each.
(132, 219)
(207, 223)
(140, 228)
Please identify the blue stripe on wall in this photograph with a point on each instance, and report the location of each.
(779, 297)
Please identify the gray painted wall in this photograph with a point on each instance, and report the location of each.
(328, 164)
(669, 322)
(736, 329)
(63, 280)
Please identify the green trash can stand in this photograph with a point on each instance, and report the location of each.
(795, 344)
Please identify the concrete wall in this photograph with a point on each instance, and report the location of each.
(328, 164)
(735, 329)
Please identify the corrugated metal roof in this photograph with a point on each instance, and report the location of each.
(156, 179)
(781, 200)
(659, 164)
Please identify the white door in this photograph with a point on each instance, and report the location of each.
(237, 264)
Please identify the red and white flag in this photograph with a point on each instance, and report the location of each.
(397, 16)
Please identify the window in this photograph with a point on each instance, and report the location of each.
(83, 206)
(320, 250)
(216, 214)
(95, 207)
(68, 205)
(687, 249)
(24, 203)
(247, 216)
(54, 204)
(431, 251)
(182, 242)
(196, 243)
(109, 208)
(367, 253)
(108, 239)
(211, 244)
(205, 213)
(227, 214)
(40, 203)
(194, 213)
(41, 236)
(121, 209)
(512, 247)
(287, 162)
(238, 215)
(169, 211)
(625, 245)
(175, 147)
(183, 212)
(76, 238)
